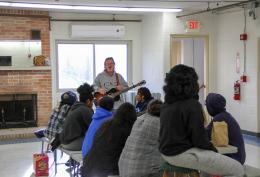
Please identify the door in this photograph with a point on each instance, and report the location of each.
(192, 51)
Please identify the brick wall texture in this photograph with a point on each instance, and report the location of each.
(17, 25)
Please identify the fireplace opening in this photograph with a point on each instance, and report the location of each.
(18, 110)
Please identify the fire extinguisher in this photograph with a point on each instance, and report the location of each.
(237, 90)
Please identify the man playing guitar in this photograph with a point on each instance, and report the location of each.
(108, 79)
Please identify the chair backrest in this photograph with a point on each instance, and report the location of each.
(157, 96)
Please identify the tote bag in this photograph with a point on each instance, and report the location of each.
(219, 134)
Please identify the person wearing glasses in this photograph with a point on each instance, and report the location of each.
(109, 81)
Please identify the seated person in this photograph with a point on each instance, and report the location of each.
(140, 156)
(58, 116)
(216, 104)
(102, 114)
(183, 139)
(78, 120)
(109, 140)
(143, 97)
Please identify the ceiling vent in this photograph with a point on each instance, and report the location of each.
(97, 31)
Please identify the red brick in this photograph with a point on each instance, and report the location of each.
(36, 81)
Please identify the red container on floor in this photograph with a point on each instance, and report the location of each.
(41, 164)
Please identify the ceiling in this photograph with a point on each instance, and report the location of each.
(186, 5)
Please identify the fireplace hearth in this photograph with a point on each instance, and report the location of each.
(18, 110)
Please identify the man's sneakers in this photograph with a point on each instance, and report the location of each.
(39, 133)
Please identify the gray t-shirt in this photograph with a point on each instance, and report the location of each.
(104, 80)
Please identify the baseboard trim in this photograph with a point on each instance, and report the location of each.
(250, 133)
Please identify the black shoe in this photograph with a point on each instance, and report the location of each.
(39, 133)
(70, 162)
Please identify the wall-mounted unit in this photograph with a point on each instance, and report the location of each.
(97, 31)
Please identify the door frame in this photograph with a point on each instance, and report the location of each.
(206, 55)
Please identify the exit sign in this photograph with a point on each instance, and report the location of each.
(193, 26)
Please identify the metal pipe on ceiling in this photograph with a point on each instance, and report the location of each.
(219, 8)
(93, 20)
(207, 1)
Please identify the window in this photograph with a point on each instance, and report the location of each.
(81, 62)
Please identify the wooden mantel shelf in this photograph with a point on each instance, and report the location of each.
(10, 68)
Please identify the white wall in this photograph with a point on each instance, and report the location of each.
(152, 54)
(230, 26)
(61, 31)
(157, 29)
(223, 31)
(173, 25)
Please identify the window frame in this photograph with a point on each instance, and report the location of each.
(128, 44)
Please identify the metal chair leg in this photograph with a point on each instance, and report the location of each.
(71, 168)
(42, 146)
(55, 160)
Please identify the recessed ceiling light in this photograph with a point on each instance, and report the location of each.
(87, 8)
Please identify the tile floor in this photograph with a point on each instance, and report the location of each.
(16, 159)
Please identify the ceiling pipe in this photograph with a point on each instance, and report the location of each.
(219, 8)
(93, 20)
(195, 1)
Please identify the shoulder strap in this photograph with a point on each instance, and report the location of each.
(117, 79)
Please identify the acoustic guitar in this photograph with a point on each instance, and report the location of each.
(114, 93)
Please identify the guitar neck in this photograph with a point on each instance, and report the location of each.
(128, 88)
(123, 91)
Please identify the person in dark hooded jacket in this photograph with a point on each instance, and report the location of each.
(102, 114)
(216, 104)
(183, 140)
(78, 119)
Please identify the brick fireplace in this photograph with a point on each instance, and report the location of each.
(17, 25)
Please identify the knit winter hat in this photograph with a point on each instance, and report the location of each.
(68, 98)
(215, 103)
(107, 103)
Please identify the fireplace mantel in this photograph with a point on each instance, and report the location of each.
(10, 68)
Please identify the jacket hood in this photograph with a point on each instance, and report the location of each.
(215, 103)
(77, 104)
(101, 113)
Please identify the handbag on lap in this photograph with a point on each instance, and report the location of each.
(219, 134)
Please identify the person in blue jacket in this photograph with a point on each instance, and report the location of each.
(102, 114)
(216, 104)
